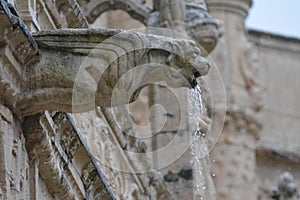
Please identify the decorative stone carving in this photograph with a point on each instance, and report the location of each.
(171, 14)
(17, 51)
(14, 167)
(200, 25)
(40, 14)
(189, 16)
(249, 71)
(47, 83)
(72, 13)
(51, 83)
(286, 188)
(105, 140)
(178, 15)
(64, 161)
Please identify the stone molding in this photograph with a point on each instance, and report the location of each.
(273, 41)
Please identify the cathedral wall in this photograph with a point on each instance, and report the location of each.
(279, 70)
(278, 146)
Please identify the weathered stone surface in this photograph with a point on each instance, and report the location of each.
(62, 158)
(39, 15)
(117, 159)
(51, 84)
(93, 9)
(238, 168)
(200, 25)
(286, 188)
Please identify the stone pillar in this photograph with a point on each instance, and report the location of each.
(190, 18)
(234, 156)
(235, 51)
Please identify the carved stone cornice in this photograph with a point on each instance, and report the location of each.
(240, 7)
(64, 161)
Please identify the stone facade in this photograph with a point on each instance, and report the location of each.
(105, 151)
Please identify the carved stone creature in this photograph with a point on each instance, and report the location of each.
(96, 60)
(200, 25)
(190, 16)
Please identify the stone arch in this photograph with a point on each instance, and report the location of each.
(94, 8)
(117, 19)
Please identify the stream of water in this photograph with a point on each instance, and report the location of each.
(203, 185)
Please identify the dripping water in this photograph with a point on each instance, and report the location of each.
(203, 185)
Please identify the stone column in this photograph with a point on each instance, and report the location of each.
(234, 156)
(190, 18)
(235, 51)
